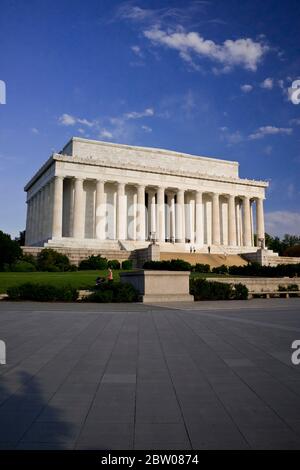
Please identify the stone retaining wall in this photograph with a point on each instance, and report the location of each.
(259, 284)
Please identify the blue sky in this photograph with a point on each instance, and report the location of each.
(204, 77)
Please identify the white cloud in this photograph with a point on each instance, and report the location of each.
(105, 134)
(269, 130)
(282, 222)
(34, 130)
(246, 88)
(231, 138)
(295, 122)
(147, 129)
(267, 84)
(137, 51)
(234, 138)
(138, 115)
(85, 122)
(240, 52)
(135, 13)
(166, 15)
(67, 120)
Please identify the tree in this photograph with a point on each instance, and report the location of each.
(21, 238)
(10, 250)
(280, 246)
(51, 260)
(292, 251)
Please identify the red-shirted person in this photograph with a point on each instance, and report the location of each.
(110, 275)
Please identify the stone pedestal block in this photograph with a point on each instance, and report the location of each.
(160, 286)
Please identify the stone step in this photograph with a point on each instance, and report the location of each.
(213, 260)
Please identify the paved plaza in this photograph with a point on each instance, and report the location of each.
(207, 375)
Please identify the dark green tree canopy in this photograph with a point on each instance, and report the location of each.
(10, 250)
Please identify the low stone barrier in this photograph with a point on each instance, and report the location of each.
(260, 284)
(160, 286)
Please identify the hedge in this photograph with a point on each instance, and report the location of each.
(114, 264)
(223, 269)
(42, 292)
(93, 262)
(113, 292)
(201, 268)
(52, 261)
(202, 289)
(127, 264)
(22, 267)
(172, 265)
(255, 269)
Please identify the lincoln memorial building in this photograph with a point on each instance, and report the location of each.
(97, 194)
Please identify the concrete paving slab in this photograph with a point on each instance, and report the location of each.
(208, 375)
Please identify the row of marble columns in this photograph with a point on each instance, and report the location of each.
(45, 214)
(39, 215)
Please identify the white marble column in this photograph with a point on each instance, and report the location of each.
(216, 237)
(33, 220)
(28, 223)
(231, 221)
(171, 216)
(39, 217)
(152, 213)
(57, 207)
(79, 209)
(180, 216)
(121, 212)
(260, 222)
(246, 221)
(50, 212)
(199, 218)
(46, 211)
(161, 214)
(100, 211)
(43, 213)
(141, 208)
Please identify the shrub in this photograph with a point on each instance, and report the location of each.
(292, 251)
(22, 267)
(201, 268)
(113, 292)
(125, 292)
(220, 269)
(42, 292)
(172, 265)
(255, 269)
(202, 289)
(51, 260)
(93, 262)
(101, 296)
(30, 259)
(240, 292)
(282, 288)
(127, 264)
(10, 250)
(113, 264)
(73, 267)
(293, 287)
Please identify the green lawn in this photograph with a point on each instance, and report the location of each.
(78, 279)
